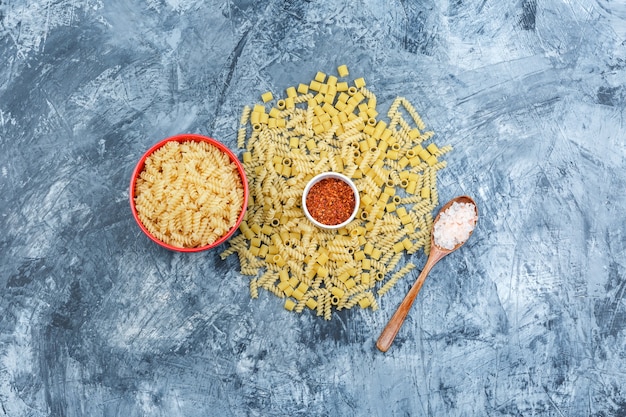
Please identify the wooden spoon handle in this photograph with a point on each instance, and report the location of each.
(391, 330)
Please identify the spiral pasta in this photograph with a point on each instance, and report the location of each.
(189, 193)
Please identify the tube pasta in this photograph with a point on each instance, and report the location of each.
(326, 124)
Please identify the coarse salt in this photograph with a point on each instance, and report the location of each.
(455, 225)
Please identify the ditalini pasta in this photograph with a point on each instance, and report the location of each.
(188, 194)
(333, 124)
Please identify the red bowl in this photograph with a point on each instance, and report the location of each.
(185, 138)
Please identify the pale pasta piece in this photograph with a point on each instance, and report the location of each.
(254, 288)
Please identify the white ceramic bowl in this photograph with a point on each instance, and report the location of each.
(317, 179)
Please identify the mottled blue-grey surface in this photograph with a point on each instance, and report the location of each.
(528, 319)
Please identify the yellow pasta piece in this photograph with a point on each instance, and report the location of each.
(297, 294)
(322, 258)
(338, 292)
(294, 282)
(411, 187)
(255, 117)
(268, 96)
(246, 231)
(274, 113)
(398, 247)
(322, 271)
(359, 255)
(291, 92)
(290, 304)
(424, 154)
(413, 134)
(432, 160)
(278, 260)
(365, 302)
(315, 85)
(432, 148)
(283, 276)
(342, 70)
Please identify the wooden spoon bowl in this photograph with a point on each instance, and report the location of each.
(436, 254)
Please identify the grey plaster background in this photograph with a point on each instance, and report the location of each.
(528, 319)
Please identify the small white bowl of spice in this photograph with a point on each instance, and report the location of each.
(330, 200)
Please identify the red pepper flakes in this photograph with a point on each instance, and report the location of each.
(330, 201)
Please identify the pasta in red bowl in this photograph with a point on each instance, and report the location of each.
(189, 193)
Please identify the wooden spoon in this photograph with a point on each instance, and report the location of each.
(436, 253)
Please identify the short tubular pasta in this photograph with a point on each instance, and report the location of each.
(334, 125)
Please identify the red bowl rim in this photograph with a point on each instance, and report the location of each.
(183, 138)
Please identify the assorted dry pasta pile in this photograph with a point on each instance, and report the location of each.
(332, 124)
